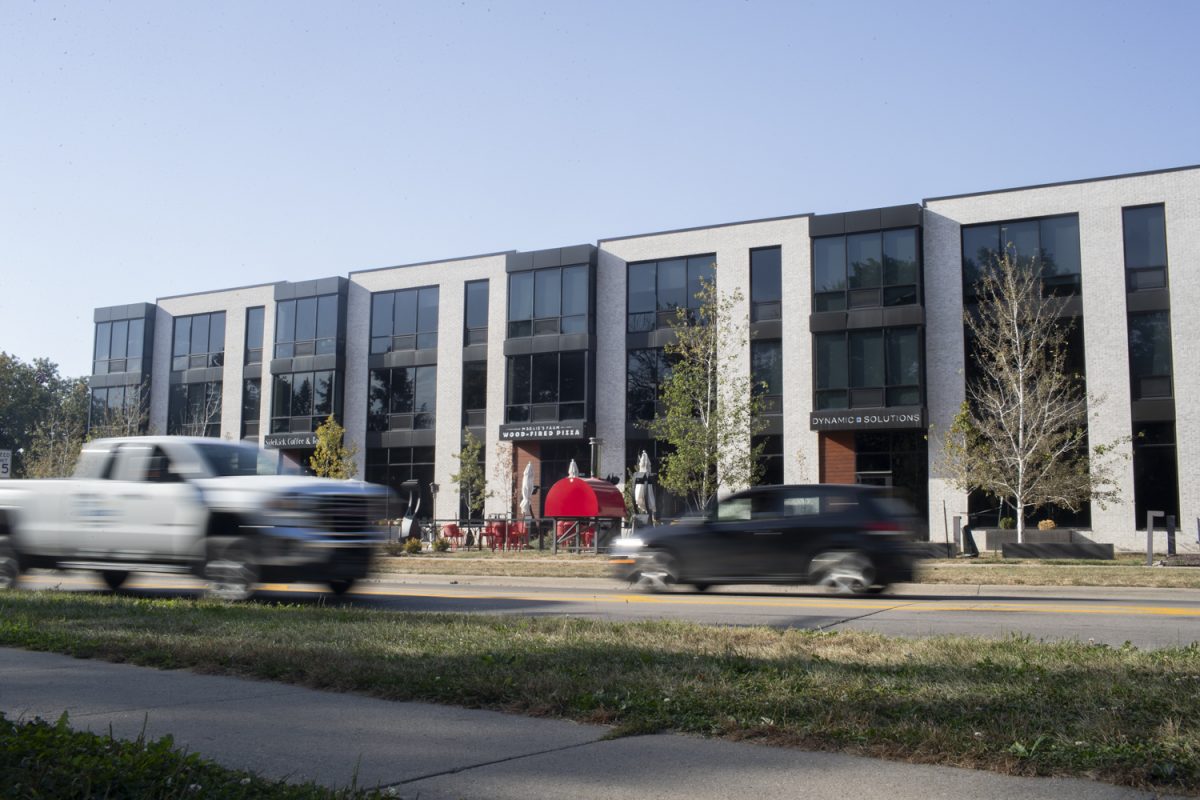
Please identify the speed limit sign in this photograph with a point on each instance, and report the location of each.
(5, 464)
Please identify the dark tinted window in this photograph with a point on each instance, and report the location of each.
(477, 304)
(1145, 237)
(520, 296)
(475, 385)
(864, 258)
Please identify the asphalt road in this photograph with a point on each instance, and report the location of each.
(1143, 617)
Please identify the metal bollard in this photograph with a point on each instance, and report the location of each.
(1150, 515)
(1170, 534)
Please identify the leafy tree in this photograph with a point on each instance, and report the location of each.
(1021, 434)
(709, 411)
(332, 459)
(28, 393)
(471, 477)
(54, 447)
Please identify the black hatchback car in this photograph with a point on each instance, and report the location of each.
(852, 539)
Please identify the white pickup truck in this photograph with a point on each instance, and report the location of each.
(215, 509)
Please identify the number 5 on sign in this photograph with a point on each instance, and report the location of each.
(5, 464)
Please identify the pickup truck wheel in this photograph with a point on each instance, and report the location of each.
(231, 572)
(10, 568)
(340, 585)
(114, 578)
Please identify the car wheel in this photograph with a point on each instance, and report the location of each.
(701, 587)
(231, 572)
(659, 573)
(843, 571)
(340, 585)
(10, 568)
(114, 578)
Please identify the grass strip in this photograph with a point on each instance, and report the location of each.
(39, 759)
(1016, 706)
(1127, 571)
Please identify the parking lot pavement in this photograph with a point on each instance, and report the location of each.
(428, 751)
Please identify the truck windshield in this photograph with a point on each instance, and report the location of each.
(224, 460)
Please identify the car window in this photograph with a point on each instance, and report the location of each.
(733, 509)
(131, 462)
(838, 503)
(766, 505)
(801, 506)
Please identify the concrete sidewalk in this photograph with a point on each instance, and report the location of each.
(428, 752)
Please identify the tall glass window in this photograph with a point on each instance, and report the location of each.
(118, 346)
(404, 320)
(1145, 247)
(655, 289)
(766, 284)
(1150, 354)
(475, 393)
(194, 409)
(475, 320)
(301, 401)
(1050, 243)
(199, 341)
(766, 374)
(645, 373)
(868, 368)
(392, 466)
(254, 334)
(402, 398)
(547, 387)
(306, 327)
(866, 270)
(548, 301)
(251, 407)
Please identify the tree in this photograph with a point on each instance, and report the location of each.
(471, 477)
(1021, 434)
(28, 392)
(709, 411)
(54, 447)
(332, 459)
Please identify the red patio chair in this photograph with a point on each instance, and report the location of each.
(496, 532)
(518, 536)
(453, 534)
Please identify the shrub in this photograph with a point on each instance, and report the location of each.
(412, 546)
(441, 544)
(1046, 525)
(1007, 523)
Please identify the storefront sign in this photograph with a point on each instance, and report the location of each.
(863, 419)
(285, 441)
(541, 430)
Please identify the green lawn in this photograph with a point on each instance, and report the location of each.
(1016, 706)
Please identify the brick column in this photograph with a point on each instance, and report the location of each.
(525, 453)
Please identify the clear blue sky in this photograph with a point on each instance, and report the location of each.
(150, 148)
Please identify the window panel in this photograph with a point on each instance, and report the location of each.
(183, 332)
(120, 339)
(137, 332)
(765, 275)
(306, 319)
(572, 377)
(477, 304)
(281, 403)
(474, 385)
(323, 393)
(699, 267)
(642, 292)
(425, 389)
(766, 366)
(1060, 246)
(574, 291)
(1145, 237)
(285, 321)
(547, 293)
(381, 313)
(1150, 344)
(254, 327)
(1021, 238)
(831, 361)
(402, 391)
(900, 256)
(327, 316)
(199, 338)
(865, 260)
(427, 309)
(545, 378)
(103, 335)
(404, 311)
(520, 296)
(216, 333)
(829, 264)
(981, 244)
(672, 284)
(903, 356)
(518, 380)
(866, 358)
(302, 394)
(641, 383)
(378, 389)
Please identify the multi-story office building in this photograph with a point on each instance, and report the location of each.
(854, 322)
